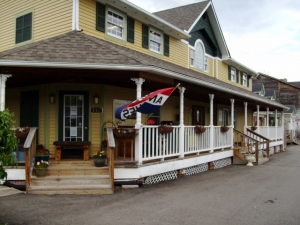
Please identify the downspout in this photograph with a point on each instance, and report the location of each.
(75, 16)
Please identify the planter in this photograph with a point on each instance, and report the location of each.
(124, 133)
(224, 129)
(99, 161)
(20, 134)
(253, 128)
(38, 158)
(200, 130)
(40, 172)
(165, 130)
(250, 158)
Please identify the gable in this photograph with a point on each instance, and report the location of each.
(203, 30)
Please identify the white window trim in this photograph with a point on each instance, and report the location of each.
(204, 56)
(206, 63)
(235, 75)
(124, 31)
(161, 43)
(244, 77)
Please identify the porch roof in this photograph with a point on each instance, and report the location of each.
(76, 50)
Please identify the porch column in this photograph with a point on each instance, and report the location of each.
(232, 119)
(246, 118)
(267, 124)
(211, 144)
(138, 124)
(282, 125)
(181, 130)
(139, 82)
(276, 124)
(3, 78)
(257, 117)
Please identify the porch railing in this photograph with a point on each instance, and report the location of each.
(272, 133)
(30, 151)
(153, 145)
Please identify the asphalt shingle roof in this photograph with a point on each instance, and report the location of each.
(189, 12)
(77, 47)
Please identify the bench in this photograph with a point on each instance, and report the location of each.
(59, 146)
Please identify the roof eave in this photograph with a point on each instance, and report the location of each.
(231, 62)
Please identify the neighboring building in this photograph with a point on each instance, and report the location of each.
(67, 65)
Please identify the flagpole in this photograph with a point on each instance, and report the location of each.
(170, 94)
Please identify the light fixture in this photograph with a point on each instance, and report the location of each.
(51, 99)
(96, 99)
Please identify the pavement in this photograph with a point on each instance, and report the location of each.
(267, 194)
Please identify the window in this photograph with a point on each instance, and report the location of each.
(233, 74)
(205, 64)
(155, 41)
(245, 79)
(115, 24)
(24, 28)
(198, 59)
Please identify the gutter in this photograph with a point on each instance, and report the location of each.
(154, 69)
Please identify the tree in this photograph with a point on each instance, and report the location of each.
(7, 142)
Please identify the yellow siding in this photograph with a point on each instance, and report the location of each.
(178, 49)
(223, 75)
(49, 19)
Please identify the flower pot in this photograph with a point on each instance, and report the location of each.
(224, 129)
(200, 130)
(99, 161)
(20, 134)
(40, 172)
(38, 158)
(124, 133)
(253, 128)
(165, 130)
(250, 158)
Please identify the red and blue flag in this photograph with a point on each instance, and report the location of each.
(146, 105)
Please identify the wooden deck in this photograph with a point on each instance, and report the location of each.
(72, 177)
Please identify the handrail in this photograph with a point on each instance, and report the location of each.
(254, 142)
(30, 151)
(266, 140)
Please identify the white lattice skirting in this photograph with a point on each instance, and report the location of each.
(171, 175)
(195, 169)
(222, 163)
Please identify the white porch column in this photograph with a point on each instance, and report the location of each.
(257, 118)
(267, 124)
(3, 78)
(276, 124)
(232, 119)
(282, 125)
(139, 82)
(138, 124)
(211, 144)
(246, 118)
(181, 131)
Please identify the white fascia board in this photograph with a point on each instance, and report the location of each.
(152, 69)
(146, 17)
(239, 66)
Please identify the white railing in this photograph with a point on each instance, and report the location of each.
(222, 139)
(271, 133)
(195, 143)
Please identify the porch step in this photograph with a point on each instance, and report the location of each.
(239, 157)
(72, 177)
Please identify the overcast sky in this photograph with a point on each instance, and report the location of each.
(263, 35)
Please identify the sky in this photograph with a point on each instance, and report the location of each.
(263, 35)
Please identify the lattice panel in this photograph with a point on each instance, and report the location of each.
(161, 177)
(195, 169)
(222, 163)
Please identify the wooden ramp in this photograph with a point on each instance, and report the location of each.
(72, 177)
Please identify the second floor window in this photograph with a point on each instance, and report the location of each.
(155, 41)
(23, 28)
(244, 79)
(115, 24)
(233, 74)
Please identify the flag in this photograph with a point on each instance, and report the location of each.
(146, 105)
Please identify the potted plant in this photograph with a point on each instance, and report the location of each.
(41, 168)
(253, 128)
(124, 133)
(199, 129)
(22, 132)
(42, 154)
(165, 128)
(224, 129)
(99, 158)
